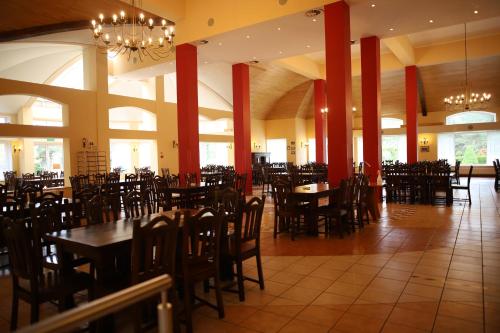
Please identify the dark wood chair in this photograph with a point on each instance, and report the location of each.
(497, 175)
(133, 204)
(245, 241)
(30, 282)
(288, 214)
(153, 254)
(28, 176)
(465, 187)
(201, 238)
(131, 177)
(240, 184)
(336, 213)
(95, 210)
(100, 178)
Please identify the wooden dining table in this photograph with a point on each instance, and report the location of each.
(311, 193)
(187, 192)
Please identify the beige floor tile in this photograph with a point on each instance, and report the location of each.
(346, 289)
(274, 288)
(376, 295)
(380, 311)
(398, 328)
(320, 315)
(357, 323)
(333, 299)
(300, 326)
(423, 290)
(287, 277)
(300, 294)
(409, 317)
(265, 322)
(388, 285)
(315, 283)
(394, 274)
(284, 307)
(462, 311)
(446, 324)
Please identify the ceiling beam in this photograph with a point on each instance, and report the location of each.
(401, 47)
(9, 36)
(302, 65)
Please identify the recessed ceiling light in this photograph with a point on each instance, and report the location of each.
(205, 62)
(373, 5)
(308, 46)
(278, 28)
(281, 52)
(248, 36)
(476, 12)
(354, 108)
(431, 21)
(203, 42)
(253, 62)
(313, 12)
(220, 44)
(314, 20)
(391, 29)
(254, 58)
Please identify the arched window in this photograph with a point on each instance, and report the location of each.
(132, 118)
(471, 117)
(31, 110)
(388, 122)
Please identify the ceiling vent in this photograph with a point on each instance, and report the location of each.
(313, 12)
(203, 42)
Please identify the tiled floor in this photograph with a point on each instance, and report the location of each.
(419, 269)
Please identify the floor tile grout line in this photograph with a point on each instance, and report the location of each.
(412, 273)
(448, 271)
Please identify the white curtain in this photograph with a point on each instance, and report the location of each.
(5, 157)
(446, 147)
(493, 150)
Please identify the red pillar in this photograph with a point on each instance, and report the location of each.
(241, 119)
(319, 103)
(411, 114)
(370, 89)
(187, 108)
(338, 91)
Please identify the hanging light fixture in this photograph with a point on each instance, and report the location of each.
(132, 34)
(467, 100)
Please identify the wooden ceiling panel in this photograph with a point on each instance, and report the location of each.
(28, 18)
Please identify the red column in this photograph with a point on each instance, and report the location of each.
(187, 108)
(370, 89)
(241, 119)
(411, 114)
(338, 91)
(319, 103)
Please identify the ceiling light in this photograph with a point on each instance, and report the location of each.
(220, 44)
(118, 35)
(391, 29)
(467, 100)
(254, 58)
(314, 20)
(281, 52)
(278, 28)
(373, 5)
(248, 36)
(313, 12)
(431, 21)
(354, 108)
(476, 12)
(308, 46)
(253, 62)
(203, 42)
(205, 62)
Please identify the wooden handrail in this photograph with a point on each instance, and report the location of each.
(109, 304)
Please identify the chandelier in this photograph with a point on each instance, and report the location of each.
(467, 100)
(133, 34)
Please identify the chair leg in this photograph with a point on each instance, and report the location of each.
(241, 287)
(206, 286)
(259, 270)
(275, 233)
(15, 310)
(218, 295)
(468, 192)
(188, 307)
(35, 311)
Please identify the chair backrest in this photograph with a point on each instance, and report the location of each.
(154, 248)
(131, 177)
(173, 180)
(165, 172)
(281, 192)
(113, 177)
(240, 183)
(95, 210)
(28, 176)
(47, 216)
(19, 240)
(247, 226)
(191, 178)
(58, 197)
(227, 201)
(201, 235)
(29, 191)
(12, 206)
(133, 204)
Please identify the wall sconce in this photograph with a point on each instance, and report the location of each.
(175, 144)
(161, 155)
(84, 143)
(324, 110)
(229, 146)
(134, 149)
(16, 149)
(256, 146)
(424, 142)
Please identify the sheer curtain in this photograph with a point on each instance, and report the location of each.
(5, 157)
(446, 147)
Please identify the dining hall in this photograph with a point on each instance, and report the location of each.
(228, 166)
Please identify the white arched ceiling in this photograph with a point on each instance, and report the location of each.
(207, 97)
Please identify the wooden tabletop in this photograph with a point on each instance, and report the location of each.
(106, 234)
(313, 189)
